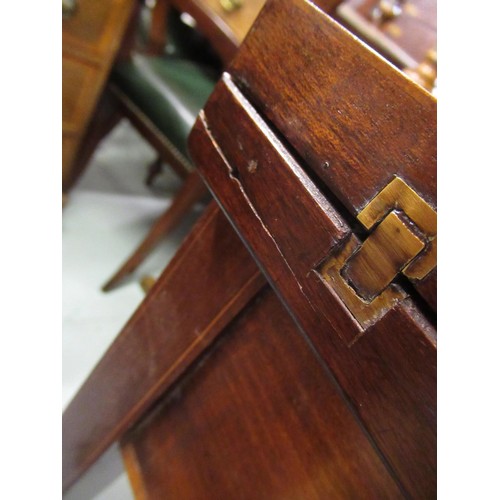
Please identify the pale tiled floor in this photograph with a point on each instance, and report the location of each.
(108, 213)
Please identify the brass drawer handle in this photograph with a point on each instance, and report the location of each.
(231, 5)
(386, 10)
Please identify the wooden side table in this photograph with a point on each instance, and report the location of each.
(92, 33)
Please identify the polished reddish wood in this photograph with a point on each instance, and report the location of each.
(395, 119)
(293, 189)
(206, 284)
(285, 401)
(259, 417)
(405, 38)
(428, 288)
(390, 377)
(395, 132)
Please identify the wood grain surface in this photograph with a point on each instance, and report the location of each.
(206, 284)
(387, 369)
(258, 419)
(353, 118)
(303, 131)
(226, 389)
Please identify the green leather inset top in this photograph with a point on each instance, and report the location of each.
(169, 91)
